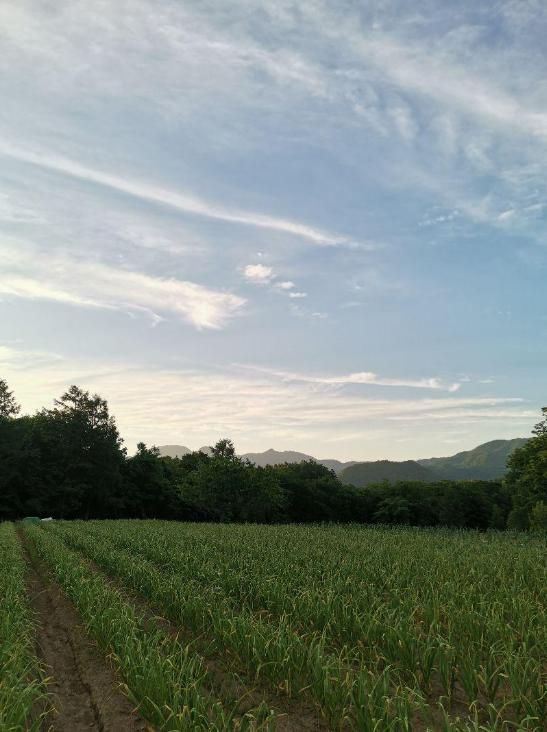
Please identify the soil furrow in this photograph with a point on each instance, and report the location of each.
(228, 679)
(85, 692)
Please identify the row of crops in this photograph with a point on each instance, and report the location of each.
(22, 692)
(233, 626)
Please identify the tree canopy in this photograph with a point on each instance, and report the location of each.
(69, 462)
(8, 406)
(526, 478)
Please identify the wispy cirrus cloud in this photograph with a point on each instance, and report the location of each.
(361, 377)
(34, 274)
(183, 202)
(419, 126)
(256, 409)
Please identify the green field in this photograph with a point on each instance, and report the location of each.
(217, 627)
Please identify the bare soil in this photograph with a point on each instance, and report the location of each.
(85, 692)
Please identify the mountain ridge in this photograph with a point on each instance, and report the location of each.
(487, 461)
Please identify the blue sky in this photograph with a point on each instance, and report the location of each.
(307, 225)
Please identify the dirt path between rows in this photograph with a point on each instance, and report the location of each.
(84, 690)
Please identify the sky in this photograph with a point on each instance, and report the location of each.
(298, 224)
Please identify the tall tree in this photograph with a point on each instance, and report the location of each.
(224, 449)
(14, 463)
(526, 478)
(8, 406)
(82, 439)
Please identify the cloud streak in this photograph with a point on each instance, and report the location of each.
(182, 202)
(35, 275)
(255, 410)
(360, 378)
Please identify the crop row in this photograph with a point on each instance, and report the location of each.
(398, 599)
(422, 618)
(167, 681)
(331, 580)
(23, 699)
(348, 693)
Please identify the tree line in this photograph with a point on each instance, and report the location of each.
(69, 462)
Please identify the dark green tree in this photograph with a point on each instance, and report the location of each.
(224, 449)
(17, 468)
(526, 477)
(314, 493)
(225, 487)
(8, 406)
(393, 509)
(81, 446)
(69, 462)
(149, 491)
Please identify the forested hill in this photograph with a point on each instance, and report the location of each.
(485, 462)
(363, 474)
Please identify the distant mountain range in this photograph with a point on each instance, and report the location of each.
(485, 462)
(268, 457)
(275, 457)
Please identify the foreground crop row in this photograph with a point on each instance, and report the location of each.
(226, 627)
(22, 691)
(380, 628)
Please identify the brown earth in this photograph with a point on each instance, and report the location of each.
(85, 692)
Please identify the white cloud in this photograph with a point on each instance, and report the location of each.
(469, 416)
(258, 273)
(362, 377)
(397, 74)
(159, 406)
(263, 275)
(34, 274)
(435, 73)
(184, 202)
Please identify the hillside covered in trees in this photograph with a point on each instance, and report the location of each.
(70, 462)
(369, 473)
(485, 462)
